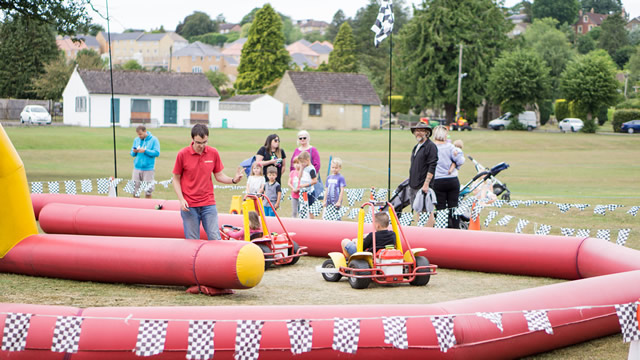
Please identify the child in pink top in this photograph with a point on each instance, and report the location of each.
(254, 228)
(294, 184)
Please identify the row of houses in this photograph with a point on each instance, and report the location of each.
(311, 100)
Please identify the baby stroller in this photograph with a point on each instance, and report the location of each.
(400, 199)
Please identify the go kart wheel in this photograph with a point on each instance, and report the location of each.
(360, 283)
(424, 279)
(265, 249)
(328, 264)
(292, 251)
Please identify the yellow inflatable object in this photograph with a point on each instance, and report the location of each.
(17, 220)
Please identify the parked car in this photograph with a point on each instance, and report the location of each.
(35, 114)
(526, 118)
(570, 124)
(631, 126)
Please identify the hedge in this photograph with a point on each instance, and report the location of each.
(629, 104)
(622, 116)
(562, 109)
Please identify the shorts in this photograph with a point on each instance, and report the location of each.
(142, 175)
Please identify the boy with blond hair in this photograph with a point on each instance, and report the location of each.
(335, 185)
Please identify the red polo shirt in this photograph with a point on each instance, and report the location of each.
(195, 171)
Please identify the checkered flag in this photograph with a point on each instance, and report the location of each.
(538, 320)
(66, 334)
(521, 224)
(342, 211)
(527, 202)
(634, 210)
(581, 207)
(86, 186)
(442, 219)
(613, 207)
(14, 336)
(36, 187)
(303, 206)
(130, 186)
(444, 331)
(353, 214)
(330, 213)
(405, 219)
(384, 22)
(70, 187)
(494, 317)
(543, 229)
(600, 210)
(54, 187)
(300, 335)
(505, 220)
(346, 334)
(151, 337)
(583, 233)
(514, 203)
(395, 331)
(316, 208)
(103, 185)
(368, 218)
(567, 231)
(543, 202)
(623, 235)
(248, 334)
(628, 319)
(490, 217)
(166, 183)
(354, 195)
(604, 234)
(142, 188)
(499, 203)
(381, 195)
(423, 218)
(563, 207)
(475, 211)
(200, 340)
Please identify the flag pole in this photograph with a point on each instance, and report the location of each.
(113, 119)
(390, 89)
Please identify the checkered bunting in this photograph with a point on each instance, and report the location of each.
(66, 334)
(248, 335)
(346, 334)
(505, 220)
(563, 207)
(342, 211)
(528, 202)
(423, 218)
(494, 317)
(538, 320)
(499, 203)
(331, 213)
(583, 233)
(166, 183)
(129, 188)
(283, 193)
(144, 186)
(567, 231)
(368, 218)
(405, 219)
(628, 319)
(634, 210)
(623, 235)
(316, 208)
(303, 206)
(521, 224)
(604, 234)
(36, 187)
(581, 207)
(354, 195)
(442, 219)
(103, 185)
(464, 207)
(201, 340)
(600, 210)
(543, 202)
(395, 331)
(70, 187)
(86, 185)
(613, 207)
(300, 335)
(475, 211)
(54, 187)
(543, 229)
(353, 213)
(381, 195)
(444, 331)
(151, 337)
(14, 336)
(490, 217)
(514, 203)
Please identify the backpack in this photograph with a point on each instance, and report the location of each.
(248, 164)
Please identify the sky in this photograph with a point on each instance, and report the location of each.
(151, 14)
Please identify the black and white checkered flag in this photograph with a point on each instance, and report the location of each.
(346, 334)
(16, 327)
(441, 219)
(166, 183)
(623, 235)
(634, 210)
(36, 187)
(70, 187)
(368, 218)
(381, 195)
(490, 217)
(303, 207)
(514, 203)
(563, 207)
(316, 208)
(538, 320)
(581, 207)
(567, 231)
(152, 335)
(342, 211)
(543, 202)
(494, 317)
(144, 186)
(583, 233)
(86, 185)
(129, 188)
(527, 202)
(384, 22)
(354, 195)
(395, 331)
(505, 220)
(423, 218)
(66, 334)
(475, 211)
(499, 203)
(444, 331)
(54, 187)
(604, 234)
(330, 213)
(200, 340)
(248, 335)
(600, 210)
(628, 319)
(405, 219)
(543, 229)
(521, 224)
(613, 207)
(353, 214)
(300, 335)
(103, 185)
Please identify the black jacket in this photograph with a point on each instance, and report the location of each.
(423, 162)
(383, 238)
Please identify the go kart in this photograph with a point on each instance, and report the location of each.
(386, 266)
(278, 249)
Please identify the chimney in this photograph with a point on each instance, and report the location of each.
(592, 10)
(580, 13)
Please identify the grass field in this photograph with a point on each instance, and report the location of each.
(570, 168)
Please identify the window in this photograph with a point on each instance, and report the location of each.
(199, 106)
(580, 28)
(234, 106)
(590, 27)
(81, 104)
(213, 67)
(585, 19)
(315, 109)
(141, 105)
(196, 69)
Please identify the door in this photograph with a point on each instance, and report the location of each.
(365, 116)
(115, 115)
(171, 111)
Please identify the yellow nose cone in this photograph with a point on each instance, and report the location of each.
(250, 265)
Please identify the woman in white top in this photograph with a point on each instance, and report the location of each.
(446, 185)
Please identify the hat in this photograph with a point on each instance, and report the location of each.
(422, 124)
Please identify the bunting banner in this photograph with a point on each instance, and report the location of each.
(303, 206)
(600, 210)
(54, 187)
(331, 213)
(521, 224)
(494, 317)
(395, 331)
(424, 217)
(316, 208)
(628, 319)
(152, 335)
(36, 187)
(492, 214)
(129, 188)
(444, 331)
(442, 219)
(623, 235)
(201, 335)
(66, 334)
(563, 207)
(581, 207)
(300, 336)
(633, 210)
(248, 335)
(381, 195)
(368, 218)
(567, 231)
(346, 335)
(604, 234)
(505, 220)
(86, 186)
(70, 187)
(543, 229)
(103, 185)
(583, 233)
(14, 336)
(405, 219)
(342, 211)
(354, 195)
(353, 213)
(538, 320)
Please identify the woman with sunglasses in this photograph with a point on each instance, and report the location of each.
(304, 145)
(271, 154)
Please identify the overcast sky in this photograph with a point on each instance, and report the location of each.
(150, 14)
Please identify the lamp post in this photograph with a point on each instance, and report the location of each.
(460, 76)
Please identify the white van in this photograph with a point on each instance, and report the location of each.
(526, 118)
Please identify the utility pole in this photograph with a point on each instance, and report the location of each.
(626, 81)
(459, 84)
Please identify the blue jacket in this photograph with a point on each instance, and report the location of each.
(146, 160)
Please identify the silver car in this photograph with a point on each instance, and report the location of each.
(570, 124)
(35, 114)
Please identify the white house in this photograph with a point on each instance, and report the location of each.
(150, 98)
(249, 112)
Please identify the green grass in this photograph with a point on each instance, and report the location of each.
(572, 168)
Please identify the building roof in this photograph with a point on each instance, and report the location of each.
(227, 26)
(300, 48)
(125, 36)
(594, 18)
(151, 37)
(321, 48)
(198, 49)
(91, 41)
(67, 44)
(312, 23)
(301, 60)
(148, 83)
(231, 61)
(334, 88)
(243, 98)
(235, 48)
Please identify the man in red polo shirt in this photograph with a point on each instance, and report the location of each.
(194, 187)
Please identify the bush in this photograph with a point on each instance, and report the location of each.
(622, 116)
(514, 124)
(602, 115)
(546, 107)
(399, 105)
(629, 104)
(562, 109)
(590, 126)
(576, 112)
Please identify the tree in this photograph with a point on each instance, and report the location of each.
(622, 55)
(25, 46)
(428, 52)
(565, 11)
(613, 36)
(585, 44)
(131, 65)
(93, 29)
(634, 64)
(602, 6)
(247, 19)
(343, 57)
(336, 22)
(89, 59)
(213, 39)
(634, 36)
(197, 23)
(519, 78)
(51, 84)
(291, 32)
(264, 58)
(218, 79)
(314, 36)
(66, 16)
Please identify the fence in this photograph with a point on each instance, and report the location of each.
(10, 109)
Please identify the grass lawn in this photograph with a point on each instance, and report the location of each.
(571, 168)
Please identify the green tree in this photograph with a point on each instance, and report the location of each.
(248, 19)
(218, 79)
(314, 36)
(519, 78)
(602, 6)
(197, 23)
(26, 45)
(343, 57)
(622, 55)
(634, 36)
(51, 84)
(264, 58)
(93, 29)
(585, 44)
(131, 65)
(336, 22)
(428, 52)
(634, 64)
(213, 39)
(89, 59)
(66, 16)
(290, 30)
(613, 36)
(565, 11)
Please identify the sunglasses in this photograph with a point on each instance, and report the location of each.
(277, 140)
(302, 138)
